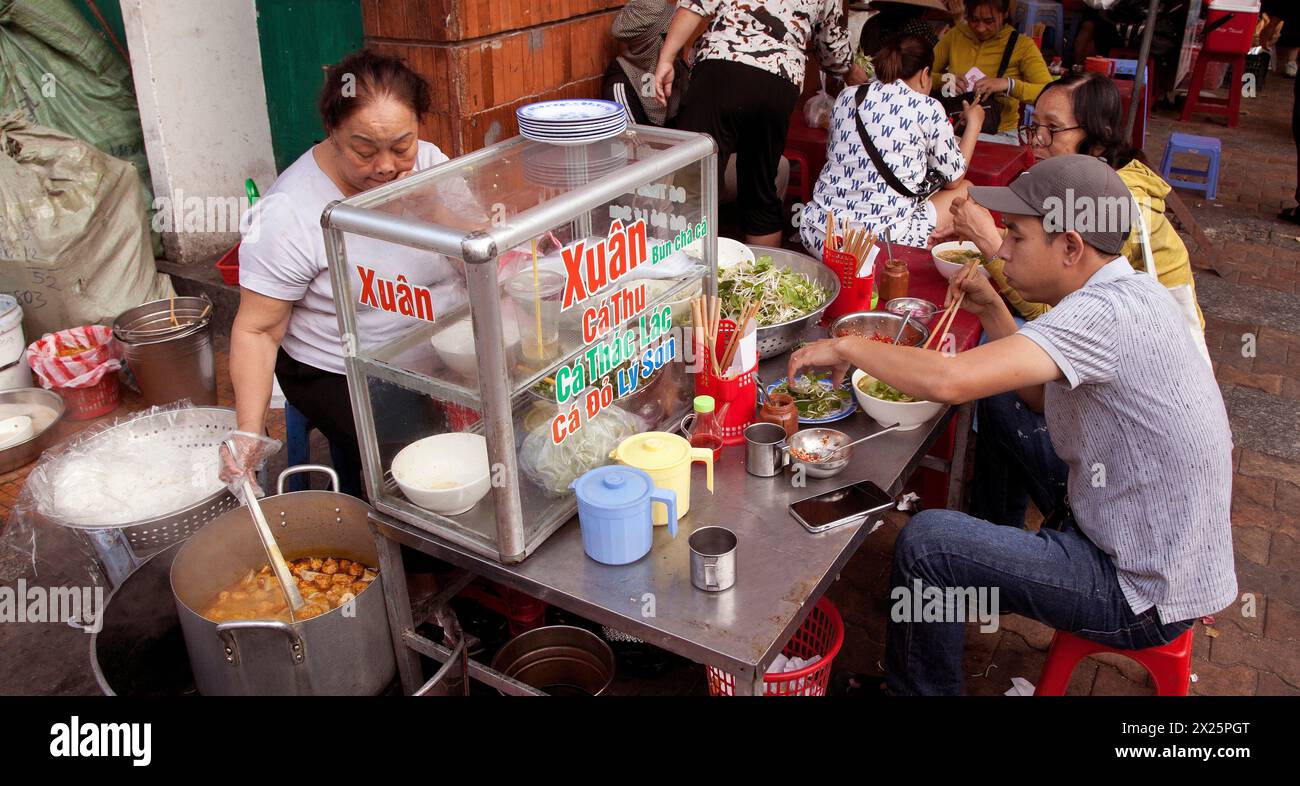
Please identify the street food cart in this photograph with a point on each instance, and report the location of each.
(573, 272)
(645, 190)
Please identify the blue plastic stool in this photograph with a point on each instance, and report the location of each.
(297, 438)
(1049, 12)
(1207, 146)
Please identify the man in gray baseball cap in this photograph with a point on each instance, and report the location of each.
(1142, 545)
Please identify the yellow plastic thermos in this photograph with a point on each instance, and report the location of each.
(667, 459)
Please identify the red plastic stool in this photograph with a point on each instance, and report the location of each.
(1169, 665)
(1215, 106)
(804, 188)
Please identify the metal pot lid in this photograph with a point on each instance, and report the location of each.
(614, 486)
(653, 450)
(150, 322)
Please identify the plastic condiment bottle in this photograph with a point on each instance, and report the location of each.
(780, 409)
(893, 282)
(706, 432)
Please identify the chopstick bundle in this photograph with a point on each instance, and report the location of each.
(750, 311)
(703, 311)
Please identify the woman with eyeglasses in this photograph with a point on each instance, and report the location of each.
(1083, 113)
(984, 40)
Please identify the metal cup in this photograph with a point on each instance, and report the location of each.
(713, 558)
(765, 450)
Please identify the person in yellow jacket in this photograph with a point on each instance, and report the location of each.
(1082, 113)
(979, 42)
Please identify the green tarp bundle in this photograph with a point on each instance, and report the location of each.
(57, 70)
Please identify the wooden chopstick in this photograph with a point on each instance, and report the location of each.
(751, 310)
(950, 313)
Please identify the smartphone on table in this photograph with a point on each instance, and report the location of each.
(845, 505)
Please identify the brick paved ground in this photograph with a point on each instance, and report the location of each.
(1241, 653)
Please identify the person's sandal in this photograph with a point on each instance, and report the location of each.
(1290, 215)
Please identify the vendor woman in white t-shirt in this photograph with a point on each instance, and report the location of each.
(287, 324)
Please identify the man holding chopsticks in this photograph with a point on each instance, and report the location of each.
(1142, 545)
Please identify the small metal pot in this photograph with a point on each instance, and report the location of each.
(560, 660)
(765, 450)
(170, 361)
(713, 558)
(331, 654)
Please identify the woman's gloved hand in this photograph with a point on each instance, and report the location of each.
(242, 455)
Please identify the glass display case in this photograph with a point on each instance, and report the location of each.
(525, 301)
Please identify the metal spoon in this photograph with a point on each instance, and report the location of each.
(906, 318)
(827, 456)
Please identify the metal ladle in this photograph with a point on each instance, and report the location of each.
(278, 565)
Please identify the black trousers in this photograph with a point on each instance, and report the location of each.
(322, 397)
(747, 112)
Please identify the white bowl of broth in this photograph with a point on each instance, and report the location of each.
(953, 256)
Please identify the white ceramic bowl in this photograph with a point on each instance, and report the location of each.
(946, 268)
(730, 252)
(907, 414)
(455, 343)
(458, 459)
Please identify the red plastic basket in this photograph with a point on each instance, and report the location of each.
(741, 392)
(856, 293)
(229, 266)
(99, 399)
(821, 634)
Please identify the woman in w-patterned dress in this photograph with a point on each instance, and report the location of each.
(916, 142)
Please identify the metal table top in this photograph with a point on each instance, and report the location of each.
(781, 568)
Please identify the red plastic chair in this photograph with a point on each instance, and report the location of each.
(1170, 665)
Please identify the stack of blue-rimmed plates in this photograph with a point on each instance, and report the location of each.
(573, 166)
(578, 121)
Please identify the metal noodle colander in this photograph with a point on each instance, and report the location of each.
(199, 429)
(774, 340)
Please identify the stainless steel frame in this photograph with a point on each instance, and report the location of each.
(510, 542)
(782, 570)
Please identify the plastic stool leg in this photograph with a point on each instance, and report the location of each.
(1063, 655)
(1212, 177)
(1234, 96)
(1171, 667)
(1194, 87)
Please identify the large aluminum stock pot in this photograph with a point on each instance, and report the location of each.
(345, 651)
